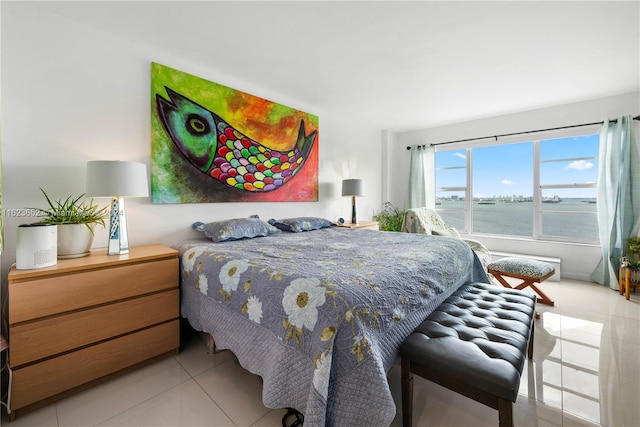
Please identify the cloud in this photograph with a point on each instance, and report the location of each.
(462, 156)
(507, 182)
(478, 195)
(579, 165)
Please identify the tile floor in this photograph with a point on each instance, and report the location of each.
(585, 372)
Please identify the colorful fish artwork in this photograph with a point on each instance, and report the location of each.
(217, 149)
(211, 143)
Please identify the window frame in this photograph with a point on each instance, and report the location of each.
(538, 209)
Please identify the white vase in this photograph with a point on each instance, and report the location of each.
(74, 240)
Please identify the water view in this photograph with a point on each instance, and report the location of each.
(572, 218)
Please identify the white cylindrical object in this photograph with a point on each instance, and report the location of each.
(36, 246)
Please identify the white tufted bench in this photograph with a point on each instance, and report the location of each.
(528, 270)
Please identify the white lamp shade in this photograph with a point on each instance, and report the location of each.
(353, 187)
(115, 178)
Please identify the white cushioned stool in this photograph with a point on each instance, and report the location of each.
(528, 270)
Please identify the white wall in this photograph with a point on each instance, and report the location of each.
(578, 261)
(72, 94)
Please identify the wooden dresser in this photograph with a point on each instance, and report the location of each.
(86, 318)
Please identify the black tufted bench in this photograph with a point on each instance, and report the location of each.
(474, 343)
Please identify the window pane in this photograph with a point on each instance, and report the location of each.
(503, 170)
(569, 199)
(451, 171)
(570, 213)
(571, 226)
(450, 207)
(567, 148)
(451, 178)
(451, 158)
(503, 189)
(450, 200)
(453, 219)
(569, 172)
(456, 177)
(582, 166)
(505, 218)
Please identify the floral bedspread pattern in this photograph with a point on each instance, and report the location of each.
(341, 299)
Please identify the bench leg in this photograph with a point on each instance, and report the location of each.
(544, 299)
(505, 413)
(530, 347)
(501, 279)
(407, 393)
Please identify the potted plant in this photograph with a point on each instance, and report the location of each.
(390, 218)
(75, 219)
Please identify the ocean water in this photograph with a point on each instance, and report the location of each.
(572, 219)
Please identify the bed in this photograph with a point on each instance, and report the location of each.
(320, 314)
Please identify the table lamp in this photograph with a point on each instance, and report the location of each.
(117, 179)
(353, 188)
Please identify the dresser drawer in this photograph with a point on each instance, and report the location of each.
(50, 377)
(36, 340)
(53, 295)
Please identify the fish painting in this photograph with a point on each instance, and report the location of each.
(219, 150)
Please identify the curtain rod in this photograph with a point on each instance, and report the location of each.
(523, 133)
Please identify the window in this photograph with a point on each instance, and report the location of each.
(542, 189)
(502, 186)
(568, 175)
(451, 186)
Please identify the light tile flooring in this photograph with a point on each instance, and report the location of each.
(585, 372)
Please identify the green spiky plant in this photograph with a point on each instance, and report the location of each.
(390, 218)
(72, 211)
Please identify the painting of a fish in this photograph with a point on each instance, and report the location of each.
(211, 143)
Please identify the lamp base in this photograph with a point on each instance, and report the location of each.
(118, 240)
(354, 216)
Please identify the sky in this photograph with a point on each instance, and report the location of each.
(505, 170)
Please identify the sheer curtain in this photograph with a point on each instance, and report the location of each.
(422, 178)
(618, 195)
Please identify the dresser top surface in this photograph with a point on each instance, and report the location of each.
(96, 259)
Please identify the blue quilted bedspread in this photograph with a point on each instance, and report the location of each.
(320, 314)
